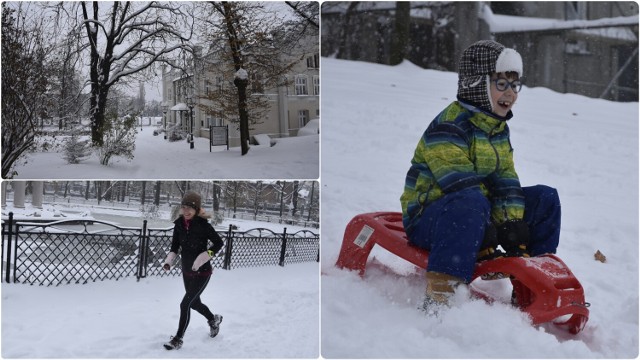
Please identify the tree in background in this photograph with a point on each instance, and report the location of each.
(252, 47)
(400, 36)
(66, 85)
(75, 149)
(275, 201)
(125, 40)
(119, 136)
(24, 85)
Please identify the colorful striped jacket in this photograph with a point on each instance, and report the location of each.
(463, 148)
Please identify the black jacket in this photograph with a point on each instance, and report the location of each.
(194, 241)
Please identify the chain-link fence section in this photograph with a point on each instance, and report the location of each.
(79, 251)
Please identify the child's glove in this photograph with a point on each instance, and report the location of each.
(203, 258)
(514, 237)
(169, 261)
(489, 244)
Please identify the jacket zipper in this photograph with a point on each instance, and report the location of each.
(491, 134)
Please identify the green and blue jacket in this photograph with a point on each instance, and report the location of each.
(463, 148)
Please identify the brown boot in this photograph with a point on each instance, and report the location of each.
(440, 287)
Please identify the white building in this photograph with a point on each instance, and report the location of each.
(291, 106)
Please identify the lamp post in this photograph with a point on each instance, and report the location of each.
(165, 107)
(190, 104)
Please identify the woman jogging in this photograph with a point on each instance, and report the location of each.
(191, 234)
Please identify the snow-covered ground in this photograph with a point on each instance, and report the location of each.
(269, 312)
(586, 148)
(156, 158)
(130, 215)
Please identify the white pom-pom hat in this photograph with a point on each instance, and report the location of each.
(477, 63)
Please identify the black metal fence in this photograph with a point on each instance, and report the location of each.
(79, 251)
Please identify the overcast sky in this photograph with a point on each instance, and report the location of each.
(153, 86)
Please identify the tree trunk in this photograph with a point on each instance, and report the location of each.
(143, 191)
(282, 198)
(343, 49)
(244, 114)
(400, 39)
(313, 185)
(235, 43)
(294, 197)
(216, 197)
(86, 190)
(156, 201)
(235, 197)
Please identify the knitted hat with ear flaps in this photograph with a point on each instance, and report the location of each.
(478, 61)
(192, 200)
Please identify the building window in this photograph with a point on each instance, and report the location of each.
(217, 122)
(316, 85)
(214, 121)
(313, 62)
(257, 87)
(577, 47)
(220, 82)
(207, 87)
(301, 85)
(303, 117)
(576, 10)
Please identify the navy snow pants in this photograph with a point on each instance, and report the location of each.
(452, 228)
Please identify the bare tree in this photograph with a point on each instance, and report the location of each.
(125, 39)
(346, 32)
(312, 206)
(400, 36)
(24, 84)
(66, 84)
(294, 197)
(307, 13)
(232, 192)
(252, 48)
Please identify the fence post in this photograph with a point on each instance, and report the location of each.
(283, 250)
(227, 252)
(142, 253)
(10, 233)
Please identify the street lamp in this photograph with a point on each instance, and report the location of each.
(190, 104)
(165, 107)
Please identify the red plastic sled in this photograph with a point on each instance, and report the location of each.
(545, 287)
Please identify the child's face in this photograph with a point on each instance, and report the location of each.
(502, 100)
(188, 212)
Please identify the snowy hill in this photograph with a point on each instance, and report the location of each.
(586, 148)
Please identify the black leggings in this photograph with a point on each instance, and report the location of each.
(194, 286)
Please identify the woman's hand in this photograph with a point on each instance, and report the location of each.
(203, 258)
(168, 261)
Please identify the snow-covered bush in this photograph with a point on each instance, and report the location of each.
(217, 218)
(175, 133)
(75, 149)
(119, 138)
(150, 211)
